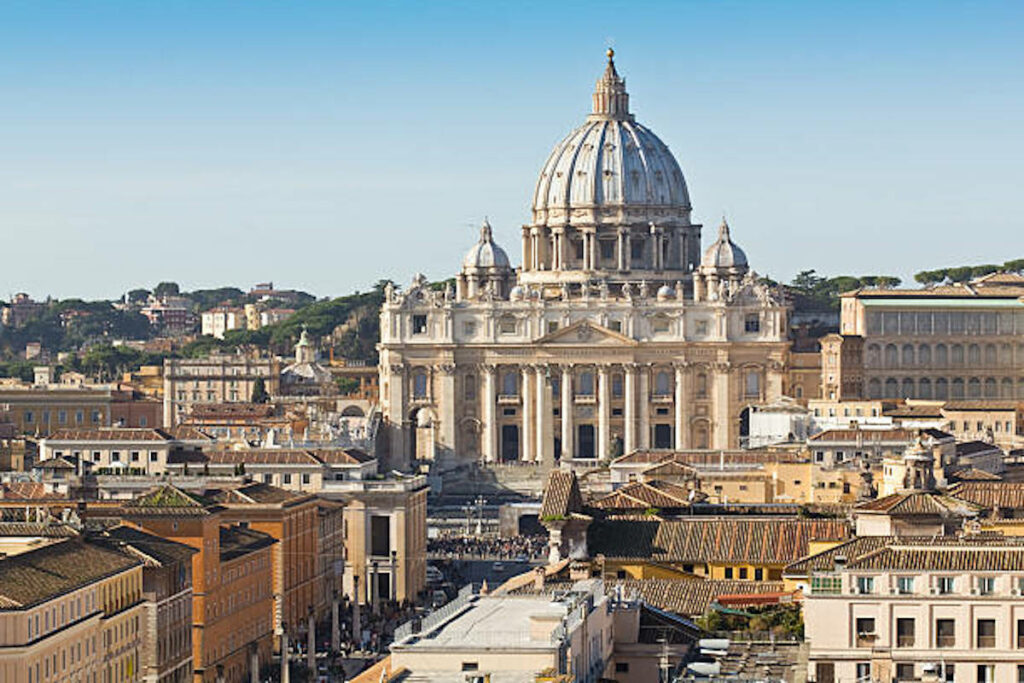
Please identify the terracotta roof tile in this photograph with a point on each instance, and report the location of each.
(1002, 495)
(39, 575)
(561, 496)
(762, 541)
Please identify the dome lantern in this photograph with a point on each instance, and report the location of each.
(611, 101)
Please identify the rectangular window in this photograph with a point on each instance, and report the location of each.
(305, 478)
(286, 478)
(865, 584)
(507, 326)
(904, 671)
(986, 633)
(752, 323)
(986, 585)
(728, 572)
(945, 584)
(905, 585)
(758, 574)
(380, 535)
(945, 633)
(904, 633)
(62, 417)
(136, 456)
(743, 572)
(469, 328)
(986, 673)
(79, 417)
(115, 456)
(552, 326)
(1020, 633)
(419, 324)
(154, 456)
(865, 632)
(863, 671)
(622, 667)
(470, 666)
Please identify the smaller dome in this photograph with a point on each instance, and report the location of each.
(517, 293)
(724, 254)
(485, 253)
(665, 293)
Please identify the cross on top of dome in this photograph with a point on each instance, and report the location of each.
(611, 100)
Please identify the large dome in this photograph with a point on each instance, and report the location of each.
(610, 169)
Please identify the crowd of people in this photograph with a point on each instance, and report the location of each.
(496, 548)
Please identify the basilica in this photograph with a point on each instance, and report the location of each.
(617, 332)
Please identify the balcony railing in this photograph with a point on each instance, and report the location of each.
(866, 639)
(904, 641)
(945, 641)
(986, 641)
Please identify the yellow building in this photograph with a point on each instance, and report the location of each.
(71, 611)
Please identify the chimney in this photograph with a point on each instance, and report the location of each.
(538, 579)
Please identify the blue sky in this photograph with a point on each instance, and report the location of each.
(325, 145)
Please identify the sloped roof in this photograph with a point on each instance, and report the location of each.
(923, 503)
(257, 493)
(643, 495)
(1004, 495)
(690, 597)
(110, 434)
(758, 541)
(986, 405)
(236, 541)
(998, 553)
(865, 435)
(561, 496)
(166, 500)
(38, 575)
(153, 550)
(825, 560)
(974, 447)
(974, 474)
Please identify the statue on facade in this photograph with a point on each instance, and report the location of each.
(627, 291)
(644, 289)
(603, 290)
(565, 292)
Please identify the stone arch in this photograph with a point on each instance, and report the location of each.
(974, 355)
(974, 388)
(873, 358)
(892, 356)
(941, 388)
(991, 388)
(956, 388)
(991, 356)
(924, 388)
(874, 388)
(700, 433)
(924, 355)
(907, 388)
(907, 355)
(1006, 390)
(352, 411)
(956, 355)
(892, 388)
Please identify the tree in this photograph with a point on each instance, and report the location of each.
(1014, 266)
(259, 391)
(166, 289)
(887, 281)
(347, 385)
(138, 296)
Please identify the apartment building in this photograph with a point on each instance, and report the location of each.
(308, 470)
(233, 601)
(890, 608)
(166, 652)
(124, 450)
(71, 611)
(218, 378)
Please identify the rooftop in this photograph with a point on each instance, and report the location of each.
(39, 575)
(236, 541)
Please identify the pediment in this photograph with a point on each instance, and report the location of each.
(586, 333)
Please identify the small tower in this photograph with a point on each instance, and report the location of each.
(911, 472)
(305, 351)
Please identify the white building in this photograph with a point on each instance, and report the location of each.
(901, 609)
(217, 321)
(615, 334)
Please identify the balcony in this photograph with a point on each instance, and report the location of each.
(585, 399)
(905, 641)
(866, 639)
(986, 642)
(945, 641)
(508, 399)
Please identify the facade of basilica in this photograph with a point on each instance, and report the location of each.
(615, 334)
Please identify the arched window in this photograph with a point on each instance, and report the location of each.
(702, 385)
(941, 356)
(956, 388)
(585, 384)
(974, 355)
(700, 435)
(892, 388)
(956, 355)
(892, 356)
(1020, 388)
(419, 384)
(752, 384)
(974, 388)
(1007, 388)
(662, 384)
(924, 388)
(991, 388)
(874, 388)
(1005, 355)
(908, 355)
(907, 390)
(941, 388)
(924, 355)
(509, 384)
(617, 385)
(990, 355)
(874, 358)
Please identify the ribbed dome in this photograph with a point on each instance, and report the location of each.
(610, 161)
(724, 254)
(485, 253)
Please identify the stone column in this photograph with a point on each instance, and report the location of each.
(680, 408)
(445, 439)
(629, 414)
(563, 246)
(595, 253)
(335, 624)
(567, 413)
(254, 663)
(620, 249)
(311, 641)
(556, 251)
(629, 251)
(526, 442)
(722, 418)
(374, 592)
(544, 452)
(357, 626)
(285, 671)
(604, 412)
(645, 409)
(526, 249)
(489, 426)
